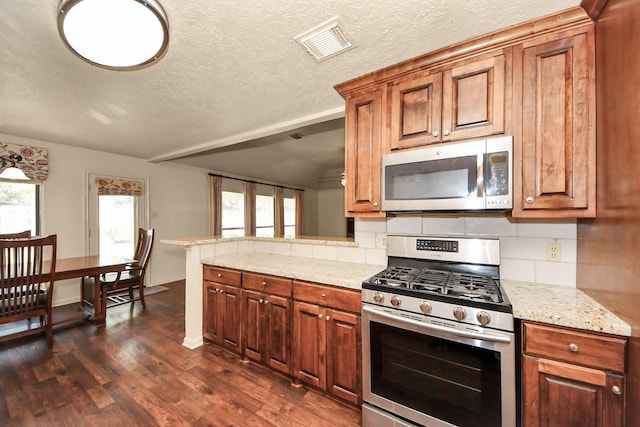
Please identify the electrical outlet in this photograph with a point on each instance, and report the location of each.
(553, 252)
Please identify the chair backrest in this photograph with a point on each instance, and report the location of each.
(27, 269)
(19, 235)
(143, 249)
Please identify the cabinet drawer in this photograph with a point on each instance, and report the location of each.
(222, 275)
(328, 296)
(597, 351)
(272, 285)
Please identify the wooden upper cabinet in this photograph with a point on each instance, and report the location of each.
(466, 100)
(554, 79)
(363, 153)
(416, 108)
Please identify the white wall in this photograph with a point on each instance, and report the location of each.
(331, 219)
(324, 213)
(177, 200)
(523, 243)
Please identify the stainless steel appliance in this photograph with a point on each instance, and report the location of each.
(438, 336)
(473, 175)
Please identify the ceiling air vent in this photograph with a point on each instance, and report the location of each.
(326, 40)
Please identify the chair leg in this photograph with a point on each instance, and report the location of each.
(131, 295)
(141, 291)
(49, 330)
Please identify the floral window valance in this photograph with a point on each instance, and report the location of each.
(119, 187)
(33, 161)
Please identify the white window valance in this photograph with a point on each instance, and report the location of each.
(33, 161)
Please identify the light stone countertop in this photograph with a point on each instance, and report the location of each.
(562, 306)
(338, 273)
(551, 304)
(305, 240)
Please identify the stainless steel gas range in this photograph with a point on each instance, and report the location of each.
(438, 336)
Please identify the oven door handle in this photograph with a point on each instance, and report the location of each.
(444, 329)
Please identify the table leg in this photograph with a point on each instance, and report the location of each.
(99, 303)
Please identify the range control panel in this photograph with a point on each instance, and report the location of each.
(437, 245)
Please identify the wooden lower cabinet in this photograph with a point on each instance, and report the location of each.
(308, 331)
(327, 349)
(222, 315)
(267, 329)
(571, 378)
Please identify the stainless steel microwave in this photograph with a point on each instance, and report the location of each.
(472, 175)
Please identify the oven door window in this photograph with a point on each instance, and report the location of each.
(433, 179)
(454, 382)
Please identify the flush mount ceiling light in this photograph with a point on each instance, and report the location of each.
(114, 34)
(326, 40)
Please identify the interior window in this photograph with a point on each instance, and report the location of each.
(232, 214)
(289, 217)
(265, 216)
(19, 207)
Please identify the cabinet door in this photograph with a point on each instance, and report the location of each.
(212, 312)
(558, 121)
(363, 153)
(344, 355)
(231, 305)
(277, 335)
(561, 394)
(309, 335)
(473, 100)
(252, 325)
(416, 111)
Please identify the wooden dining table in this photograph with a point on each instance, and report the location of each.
(89, 266)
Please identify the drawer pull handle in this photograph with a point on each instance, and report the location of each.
(574, 347)
(324, 296)
(264, 283)
(616, 390)
(219, 274)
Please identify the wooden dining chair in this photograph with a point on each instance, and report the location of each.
(27, 275)
(19, 235)
(112, 285)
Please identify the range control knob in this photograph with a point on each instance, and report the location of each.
(425, 307)
(459, 313)
(483, 317)
(395, 301)
(378, 297)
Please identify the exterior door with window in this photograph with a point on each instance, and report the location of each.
(116, 210)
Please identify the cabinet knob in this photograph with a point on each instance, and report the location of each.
(266, 301)
(219, 274)
(324, 296)
(435, 133)
(260, 301)
(446, 132)
(328, 318)
(574, 347)
(529, 200)
(320, 316)
(264, 283)
(616, 390)
(375, 204)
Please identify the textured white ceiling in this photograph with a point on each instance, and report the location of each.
(233, 71)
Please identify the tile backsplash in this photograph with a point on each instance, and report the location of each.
(523, 243)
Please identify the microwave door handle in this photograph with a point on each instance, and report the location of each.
(480, 175)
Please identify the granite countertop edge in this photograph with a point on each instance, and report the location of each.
(207, 240)
(562, 306)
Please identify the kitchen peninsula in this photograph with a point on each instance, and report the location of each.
(311, 260)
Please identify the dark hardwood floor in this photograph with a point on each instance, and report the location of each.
(136, 372)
